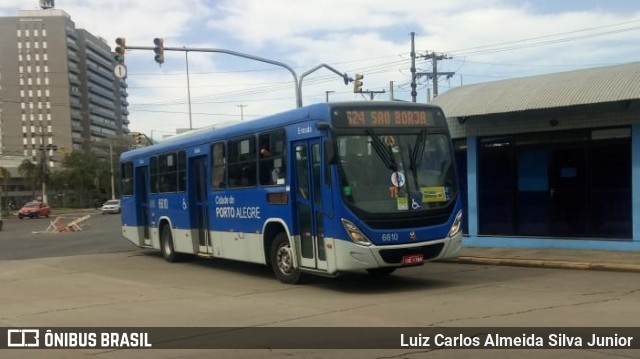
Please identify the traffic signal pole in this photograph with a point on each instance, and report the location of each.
(297, 83)
(234, 53)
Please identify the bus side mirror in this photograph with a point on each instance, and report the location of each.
(329, 152)
(323, 126)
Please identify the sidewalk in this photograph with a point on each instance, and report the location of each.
(552, 258)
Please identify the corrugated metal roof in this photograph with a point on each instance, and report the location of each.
(580, 87)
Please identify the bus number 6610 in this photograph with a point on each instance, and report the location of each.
(390, 237)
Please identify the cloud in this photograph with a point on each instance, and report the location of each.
(486, 38)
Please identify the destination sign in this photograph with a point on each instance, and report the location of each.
(386, 118)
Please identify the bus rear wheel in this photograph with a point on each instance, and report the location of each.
(166, 245)
(282, 260)
(381, 272)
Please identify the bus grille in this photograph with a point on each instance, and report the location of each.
(394, 256)
(396, 222)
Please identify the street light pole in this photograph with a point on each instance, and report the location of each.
(186, 59)
(344, 76)
(296, 82)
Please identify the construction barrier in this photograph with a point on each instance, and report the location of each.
(65, 224)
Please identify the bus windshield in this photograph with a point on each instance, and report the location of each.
(386, 172)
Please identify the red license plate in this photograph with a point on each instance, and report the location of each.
(413, 260)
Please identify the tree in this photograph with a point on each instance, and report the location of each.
(31, 173)
(4, 175)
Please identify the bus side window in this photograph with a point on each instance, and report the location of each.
(272, 158)
(218, 166)
(154, 174)
(242, 157)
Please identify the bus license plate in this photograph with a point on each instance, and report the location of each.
(413, 260)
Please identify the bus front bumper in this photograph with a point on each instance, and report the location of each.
(352, 257)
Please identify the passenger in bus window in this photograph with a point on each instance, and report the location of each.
(266, 166)
(264, 151)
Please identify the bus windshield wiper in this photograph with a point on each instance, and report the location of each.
(384, 153)
(417, 153)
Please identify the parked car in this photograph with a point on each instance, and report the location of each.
(111, 206)
(34, 209)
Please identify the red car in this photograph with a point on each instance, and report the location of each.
(34, 209)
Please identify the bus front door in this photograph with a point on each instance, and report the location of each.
(198, 196)
(142, 204)
(310, 207)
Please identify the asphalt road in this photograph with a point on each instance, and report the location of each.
(27, 239)
(95, 278)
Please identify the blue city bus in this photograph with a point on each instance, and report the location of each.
(322, 189)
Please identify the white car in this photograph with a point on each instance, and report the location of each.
(111, 206)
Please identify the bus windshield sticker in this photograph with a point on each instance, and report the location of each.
(415, 204)
(403, 203)
(397, 179)
(433, 194)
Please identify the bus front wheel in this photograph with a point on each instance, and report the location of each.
(282, 261)
(166, 244)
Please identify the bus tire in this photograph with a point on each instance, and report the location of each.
(166, 245)
(381, 272)
(282, 260)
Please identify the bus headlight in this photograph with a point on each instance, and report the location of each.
(355, 234)
(457, 225)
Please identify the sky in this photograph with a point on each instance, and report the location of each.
(482, 40)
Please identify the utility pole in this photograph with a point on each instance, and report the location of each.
(414, 93)
(391, 94)
(372, 93)
(44, 162)
(113, 182)
(434, 74)
(326, 93)
(242, 111)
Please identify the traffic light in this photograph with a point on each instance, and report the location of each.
(137, 138)
(159, 50)
(120, 49)
(357, 83)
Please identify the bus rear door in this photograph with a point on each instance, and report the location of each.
(142, 203)
(197, 187)
(310, 207)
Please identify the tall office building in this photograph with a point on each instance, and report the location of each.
(57, 86)
(57, 89)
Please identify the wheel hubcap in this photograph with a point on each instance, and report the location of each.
(284, 259)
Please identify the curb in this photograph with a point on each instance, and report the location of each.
(545, 263)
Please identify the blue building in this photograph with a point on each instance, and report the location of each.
(550, 161)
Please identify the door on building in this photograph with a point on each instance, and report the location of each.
(568, 190)
(532, 197)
